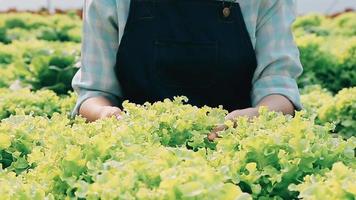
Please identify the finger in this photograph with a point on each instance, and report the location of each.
(118, 117)
(233, 115)
(109, 112)
(115, 112)
(214, 133)
(219, 128)
(212, 136)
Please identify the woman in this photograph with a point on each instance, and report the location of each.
(239, 54)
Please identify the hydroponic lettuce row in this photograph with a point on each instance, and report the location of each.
(148, 156)
(39, 103)
(39, 51)
(339, 109)
(323, 61)
(338, 183)
(39, 65)
(328, 50)
(26, 26)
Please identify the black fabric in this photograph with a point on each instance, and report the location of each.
(186, 47)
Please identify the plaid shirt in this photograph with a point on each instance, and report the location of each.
(268, 23)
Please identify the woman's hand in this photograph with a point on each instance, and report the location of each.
(99, 108)
(248, 112)
(109, 111)
(274, 102)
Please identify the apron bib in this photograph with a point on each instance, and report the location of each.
(197, 48)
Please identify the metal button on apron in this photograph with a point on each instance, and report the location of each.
(226, 12)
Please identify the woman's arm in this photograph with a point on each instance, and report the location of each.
(274, 81)
(96, 83)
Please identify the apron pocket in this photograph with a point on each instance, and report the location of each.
(185, 64)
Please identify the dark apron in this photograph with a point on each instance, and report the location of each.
(186, 47)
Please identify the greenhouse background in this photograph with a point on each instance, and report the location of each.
(304, 6)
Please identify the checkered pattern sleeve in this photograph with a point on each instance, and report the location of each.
(96, 75)
(277, 54)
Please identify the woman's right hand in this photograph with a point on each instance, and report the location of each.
(109, 111)
(99, 108)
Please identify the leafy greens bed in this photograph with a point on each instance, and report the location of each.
(160, 151)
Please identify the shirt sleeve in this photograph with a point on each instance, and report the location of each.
(100, 43)
(277, 54)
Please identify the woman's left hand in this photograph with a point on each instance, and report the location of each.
(274, 102)
(248, 112)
